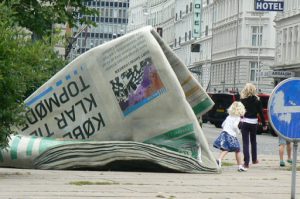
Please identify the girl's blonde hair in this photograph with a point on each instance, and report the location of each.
(236, 109)
(248, 90)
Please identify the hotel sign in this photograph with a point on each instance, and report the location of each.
(260, 5)
(197, 18)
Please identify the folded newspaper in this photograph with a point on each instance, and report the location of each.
(130, 101)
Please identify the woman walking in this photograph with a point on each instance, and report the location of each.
(249, 125)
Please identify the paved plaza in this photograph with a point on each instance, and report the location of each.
(264, 180)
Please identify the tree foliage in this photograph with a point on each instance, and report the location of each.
(24, 66)
(38, 16)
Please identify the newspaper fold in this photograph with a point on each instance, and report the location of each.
(128, 99)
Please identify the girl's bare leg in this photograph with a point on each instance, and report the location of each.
(222, 155)
(238, 158)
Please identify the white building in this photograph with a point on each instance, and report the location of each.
(138, 12)
(241, 38)
(157, 13)
(203, 59)
(287, 56)
(234, 39)
(184, 42)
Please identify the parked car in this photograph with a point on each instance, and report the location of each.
(218, 113)
(264, 98)
(222, 101)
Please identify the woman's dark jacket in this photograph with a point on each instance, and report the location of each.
(253, 107)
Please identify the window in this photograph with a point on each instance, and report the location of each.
(187, 9)
(191, 7)
(124, 13)
(295, 42)
(115, 13)
(206, 30)
(111, 11)
(256, 35)
(195, 47)
(253, 71)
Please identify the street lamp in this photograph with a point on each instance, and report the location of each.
(236, 45)
(259, 49)
(146, 12)
(71, 40)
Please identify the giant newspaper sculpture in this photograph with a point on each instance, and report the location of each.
(128, 100)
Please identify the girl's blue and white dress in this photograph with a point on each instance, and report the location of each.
(227, 140)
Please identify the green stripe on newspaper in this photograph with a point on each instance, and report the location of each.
(182, 140)
(30, 146)
(14, 148)
(199, 108)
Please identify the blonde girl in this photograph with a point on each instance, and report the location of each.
(227, 140)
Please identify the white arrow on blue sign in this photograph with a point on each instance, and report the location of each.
(261, 5)
(284, 109)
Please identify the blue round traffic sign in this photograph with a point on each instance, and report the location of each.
(284, 109)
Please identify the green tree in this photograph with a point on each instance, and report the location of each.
(24, 66)
(38, 16)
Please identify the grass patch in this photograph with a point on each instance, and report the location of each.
(16, 173)
(270, 178)
(162, 196)
(227, 164)
(290, 168)
(80, 183)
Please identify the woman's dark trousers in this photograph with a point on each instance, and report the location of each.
(249, 131)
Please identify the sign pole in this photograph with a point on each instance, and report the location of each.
(293, 193)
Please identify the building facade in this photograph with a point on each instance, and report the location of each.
(184, 36)
(111, 23)
(243, 44)
(235, 45)
(287, 54)
(202, 62)
(157, 13)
